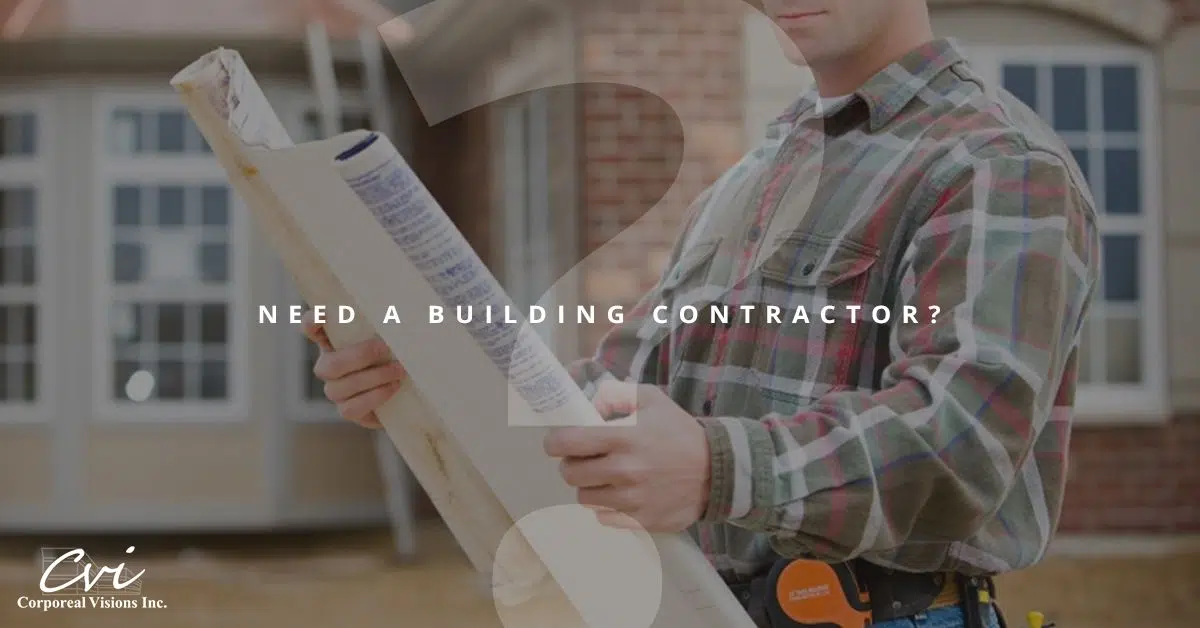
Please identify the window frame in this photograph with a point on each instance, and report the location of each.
(37, 172)
(108, 169)
(524, 192)
(1117, 403)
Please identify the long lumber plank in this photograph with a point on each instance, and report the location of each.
(459, 494)
(332, 239)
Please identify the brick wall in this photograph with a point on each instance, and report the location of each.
(688, 52)
(1134, 479)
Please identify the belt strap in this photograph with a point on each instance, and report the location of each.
(893, 594)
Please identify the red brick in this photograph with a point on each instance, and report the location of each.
(678, 48)
(1141, 479)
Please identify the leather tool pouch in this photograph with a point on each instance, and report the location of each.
(896, 594)
(857, 592)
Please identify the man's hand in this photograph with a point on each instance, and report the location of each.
(358, 378)
(655, 471)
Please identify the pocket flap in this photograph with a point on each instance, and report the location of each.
(692, 260)
(810, 261)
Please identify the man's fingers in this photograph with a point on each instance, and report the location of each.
(315, 332)
(614, 519)
(601, 471)
(619, 520)
(342, 362)
(346, 388)
(614, 498)
(361, 408)
(584, 442)
(618, 399)
(615, 398)
(321, 339)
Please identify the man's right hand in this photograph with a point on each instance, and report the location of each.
(359, 378)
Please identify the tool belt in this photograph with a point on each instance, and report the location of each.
(804, 593)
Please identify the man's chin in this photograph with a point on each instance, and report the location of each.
(802, 59)
(803, 54)
(798, 60)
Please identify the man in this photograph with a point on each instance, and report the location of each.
(926, 451)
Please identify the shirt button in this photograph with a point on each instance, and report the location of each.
(754, 233)
(707, 408)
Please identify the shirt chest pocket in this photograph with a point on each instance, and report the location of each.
(817, 271)
(691, 281)
(817, 295)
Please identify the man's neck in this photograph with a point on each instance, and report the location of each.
(843, 75)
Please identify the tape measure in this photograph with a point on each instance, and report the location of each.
(813, 594)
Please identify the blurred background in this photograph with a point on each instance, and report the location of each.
(141, 404)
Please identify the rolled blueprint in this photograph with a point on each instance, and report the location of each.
(491, 483)
(403, 206)
(400, 203)
(231, 111)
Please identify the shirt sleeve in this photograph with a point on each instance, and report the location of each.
(1009, 253)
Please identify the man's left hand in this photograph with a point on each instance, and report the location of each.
(652, 466)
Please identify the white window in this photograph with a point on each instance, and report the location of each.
(528, 235)
(1102, 102)
(303, 384)
(172, 315)
(23, 263)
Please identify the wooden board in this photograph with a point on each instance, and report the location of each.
(340, 256)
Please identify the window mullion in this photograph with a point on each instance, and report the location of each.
(23, 228)
(1096, 142)
(148, 170)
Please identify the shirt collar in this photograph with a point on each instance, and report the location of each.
(887, 92)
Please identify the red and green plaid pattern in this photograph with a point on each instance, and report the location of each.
(934, 445)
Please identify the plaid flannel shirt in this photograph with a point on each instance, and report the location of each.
(939, 444)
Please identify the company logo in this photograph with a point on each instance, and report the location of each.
(808, 593)
(70, 579)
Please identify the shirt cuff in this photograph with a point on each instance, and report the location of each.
(740, 484)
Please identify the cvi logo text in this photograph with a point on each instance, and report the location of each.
(70, 579)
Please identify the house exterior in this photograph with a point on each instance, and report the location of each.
(136, 392)
(546, 156)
